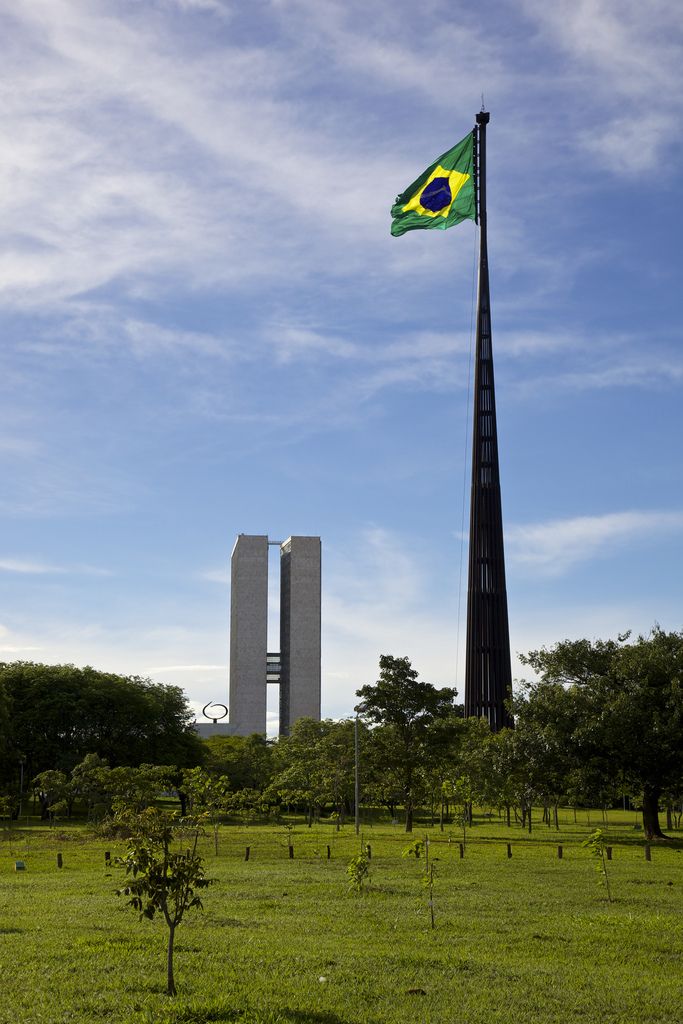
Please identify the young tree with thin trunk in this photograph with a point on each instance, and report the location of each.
(162, 880)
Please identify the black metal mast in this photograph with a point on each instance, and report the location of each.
(488, 672)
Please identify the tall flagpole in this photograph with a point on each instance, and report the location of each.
(488, 672)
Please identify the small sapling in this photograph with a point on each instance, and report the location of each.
(358, 872)
(596, 844)
(162, 880)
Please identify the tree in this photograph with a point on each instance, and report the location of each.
(54, 792)
(208, 794)
(89, 779)
(162, 880)
(246, 761)
(299, 767)
(9, 756)
(402, 709)
(628, 701)
(60, 713)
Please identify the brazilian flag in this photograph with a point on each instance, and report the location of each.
(443, 195)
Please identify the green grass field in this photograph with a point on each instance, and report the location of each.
(522, 940)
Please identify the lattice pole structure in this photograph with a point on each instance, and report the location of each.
(488, 672)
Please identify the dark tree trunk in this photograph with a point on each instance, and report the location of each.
(408, 799)
(183, 803)
(651, 825)
(170, 982)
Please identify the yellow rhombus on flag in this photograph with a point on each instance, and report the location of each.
(443, 195)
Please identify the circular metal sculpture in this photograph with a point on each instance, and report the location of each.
(214, 717)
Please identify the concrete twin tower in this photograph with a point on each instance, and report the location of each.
(296, 666)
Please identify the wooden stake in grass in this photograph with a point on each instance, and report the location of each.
(596, 845)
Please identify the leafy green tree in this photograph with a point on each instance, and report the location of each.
(629, 729)
(402, 708)
(133, 789)
(314, 767)
(246, 761)
(60, 713)
(208, 794)
(469, 764)
(55, 793)
(162, 880)
(10, 771)
(299, 768)
(445, 743)
(89, 779)
(337, 766)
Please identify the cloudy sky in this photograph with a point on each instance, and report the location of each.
(207, 328)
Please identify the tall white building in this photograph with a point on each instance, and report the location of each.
(296, 666)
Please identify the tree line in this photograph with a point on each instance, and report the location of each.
(603, 719)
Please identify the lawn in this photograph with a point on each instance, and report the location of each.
(531, 938)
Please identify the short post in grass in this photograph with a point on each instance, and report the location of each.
(596, 845)
(462, 850)
(608, 852)
(648, 852)
(60, 861)
(329, 853)
(247, 852)
(559, 853)
(509, 850)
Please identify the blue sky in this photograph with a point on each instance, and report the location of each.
(207, 328)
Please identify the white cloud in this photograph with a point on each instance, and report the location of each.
(31, 568)
(624, 63)
(17, 648)
(552, 548)
(160, 669)
(215, 575)
(28, 568)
